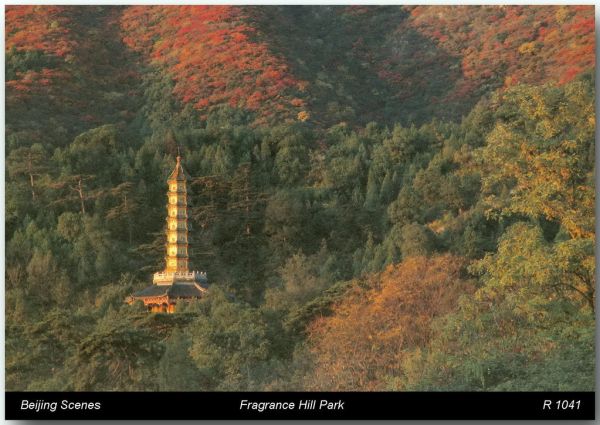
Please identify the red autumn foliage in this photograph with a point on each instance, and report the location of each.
(456, 54)
(439, 58)
(215, 57)
(37, 28)
(527, 44)
(43, 28)
(64, 59)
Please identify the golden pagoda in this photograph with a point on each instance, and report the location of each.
(175, 283)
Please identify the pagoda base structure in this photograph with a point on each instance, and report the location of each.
(170, 288)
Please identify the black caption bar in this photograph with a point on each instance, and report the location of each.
(300, 405)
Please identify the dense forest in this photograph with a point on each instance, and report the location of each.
(383, 198)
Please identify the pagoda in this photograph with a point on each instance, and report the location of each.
(175, 283)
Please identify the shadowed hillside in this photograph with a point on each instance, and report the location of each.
(323, 65)
(67, 70)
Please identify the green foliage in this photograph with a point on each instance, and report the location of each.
(302, 279)
(20, 61)
(116, 355)
(512, 355)
(542, 151)
(177, 371)
(231, 344)
(416, 240)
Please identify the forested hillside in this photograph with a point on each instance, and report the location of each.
(383, 198)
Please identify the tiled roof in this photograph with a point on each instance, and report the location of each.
(152, 291)
(185, 290)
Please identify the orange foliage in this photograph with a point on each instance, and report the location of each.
(41, 28)
(61, 62)
(38, 28)
(214, 56)
(526, 44)
(363, 343)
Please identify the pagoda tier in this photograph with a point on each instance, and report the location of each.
(175, 281)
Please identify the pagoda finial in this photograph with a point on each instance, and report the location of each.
(178, 155)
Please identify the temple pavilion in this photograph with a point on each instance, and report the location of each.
(175, 283)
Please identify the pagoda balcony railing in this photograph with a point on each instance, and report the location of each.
(171, 277)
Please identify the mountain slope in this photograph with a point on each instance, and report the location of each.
(500, 46)
(407, 64)
(324, 64)
(66, 71)
(213, 56)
